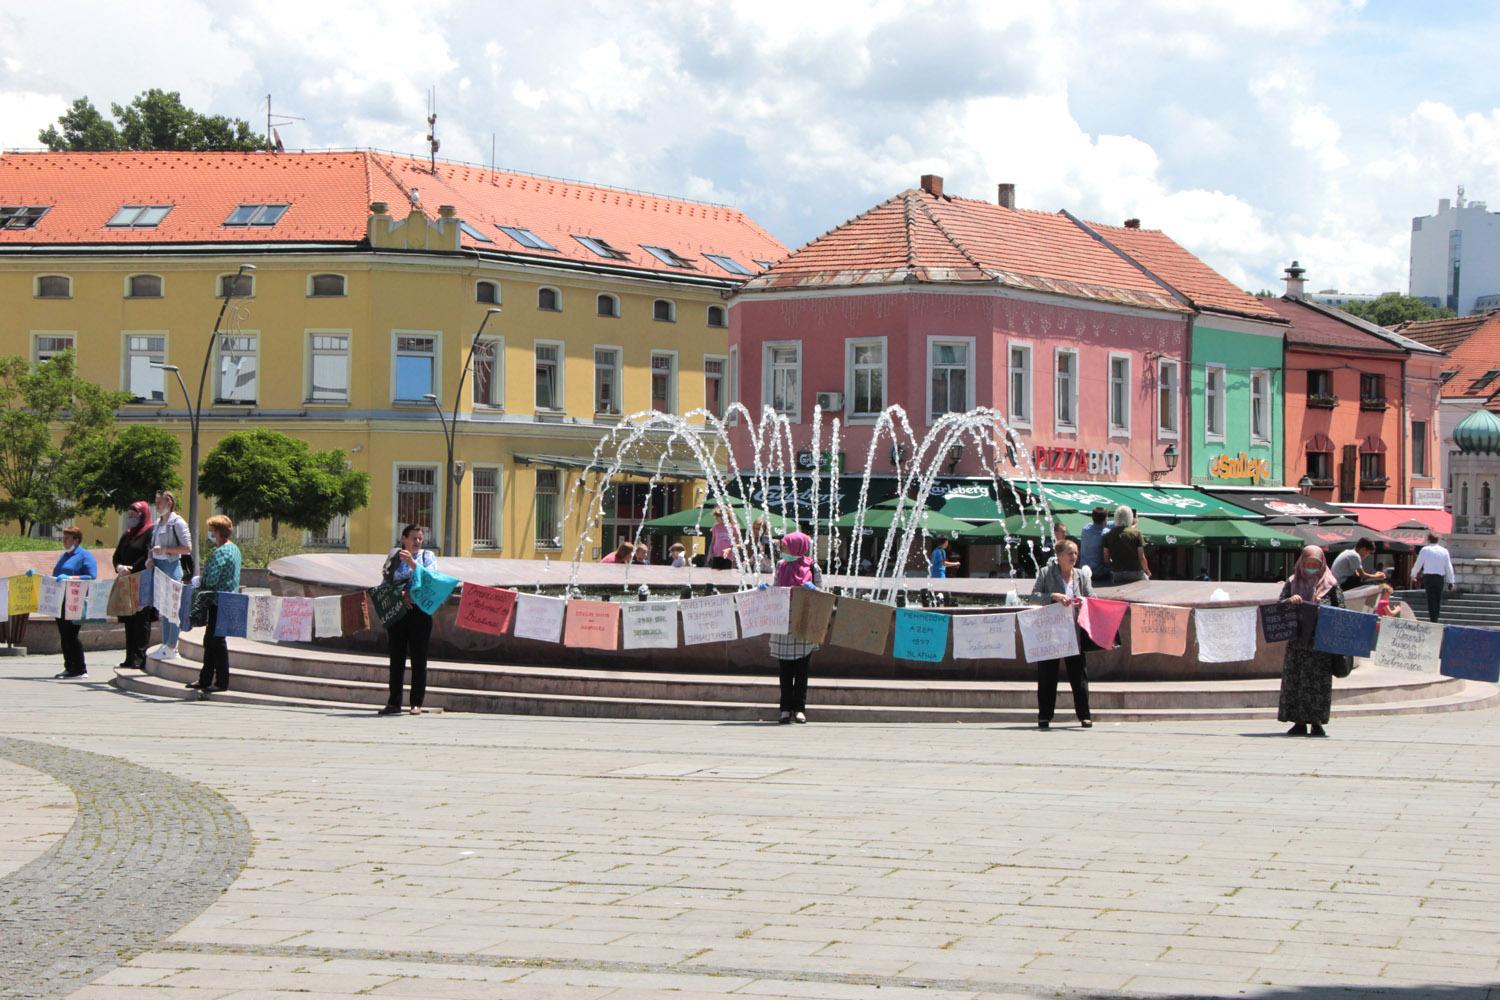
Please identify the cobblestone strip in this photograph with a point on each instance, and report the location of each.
(147, 853)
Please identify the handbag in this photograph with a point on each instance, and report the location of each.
(1340, 665)
(389, 602)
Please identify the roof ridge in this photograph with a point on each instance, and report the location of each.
(963, 250)
(908, 228)
(1172, 290)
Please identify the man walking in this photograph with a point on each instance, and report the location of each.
(1433, 568)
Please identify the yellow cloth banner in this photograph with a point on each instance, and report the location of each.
(24, 592)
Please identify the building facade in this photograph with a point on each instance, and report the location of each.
(1455, 255)
(1469, 378)
(372, 275)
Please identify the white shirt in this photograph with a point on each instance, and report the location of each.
(1433, 559)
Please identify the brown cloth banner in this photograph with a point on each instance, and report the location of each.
(862, 625)
(354, 613)
(811, 610)
(124, 597)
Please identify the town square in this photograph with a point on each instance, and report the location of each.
(951, 501)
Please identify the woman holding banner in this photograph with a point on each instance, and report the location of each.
(221, 575)
(76, 563)
(409, 634)
(1306, 674)
(795, 569)
(131, 557)
(1063, 582)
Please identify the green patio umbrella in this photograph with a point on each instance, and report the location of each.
(703, 519)
(1237, 534)
(882, 518)
(1034, 526)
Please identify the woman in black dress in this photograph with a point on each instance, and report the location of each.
(132, 555)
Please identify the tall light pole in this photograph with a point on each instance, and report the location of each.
(195, 409)
(455, 471)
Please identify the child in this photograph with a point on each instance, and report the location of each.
(678, 553)
(1384, 606)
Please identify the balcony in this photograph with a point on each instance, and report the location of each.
(1321, 401)
(1373, 403)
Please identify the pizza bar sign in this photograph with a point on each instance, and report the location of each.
(1078, 460)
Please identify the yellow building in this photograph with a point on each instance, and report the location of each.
(372, 275)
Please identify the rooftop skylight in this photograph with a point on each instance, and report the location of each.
(729, 264)
(21, 216)
(473, 233)
(602, 247)
(256, 215)
(668, 256)
(526, 238)
(139, 216)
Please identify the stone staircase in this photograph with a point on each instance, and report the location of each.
(287, 675)
(1462, 608)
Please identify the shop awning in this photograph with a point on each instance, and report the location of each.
(1382, 518)
(1333, 538)
(668, 469)
(1149, 501)
(1240, 534)
(1035, 526)
(1277, 503)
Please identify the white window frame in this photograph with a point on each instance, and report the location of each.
(557, 292)
(437, 365)
(311, 353)
(497, 509)
(1164, 433)
(708, 317)
(672, 379)
(732, 373)
(1215, 405)
(219, 283)
(968, 344)
(37, 335)
(1261, 405)
(1058, 424)
(218, 369)
(36, 286)
(548, 545)
(619, 384)
(671, 311)
(126, 355)
(768, 373)
(851, 415)
(562, 367)
(499, 292)
(435, 529)
(1121, 429)
(125, 292)
(497, 382)
(344, 278)
(723, 383)
(614, 305)
(1020, 420)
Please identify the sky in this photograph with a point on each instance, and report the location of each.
(1251, 132)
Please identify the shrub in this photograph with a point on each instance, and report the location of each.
(258, 553)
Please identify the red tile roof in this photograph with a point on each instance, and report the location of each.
(1445, 334)
(1201, 284)
(1470, 356)
(1314, 327)
(922, 237)
(330, 194)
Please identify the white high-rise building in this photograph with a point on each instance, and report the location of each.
(1455, 255)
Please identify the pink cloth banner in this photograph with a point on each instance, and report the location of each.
(73, 600)
(592, 625)
(485, 609)
(1158, 628)
(1101, 620)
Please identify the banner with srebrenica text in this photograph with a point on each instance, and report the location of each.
(1158, 628)
(1048, 632)
(764, 612)
(649, 624)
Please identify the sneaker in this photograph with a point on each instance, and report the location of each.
(158, 653)
(800, 718)
(170, 653)
(68, 676)
(785, 719)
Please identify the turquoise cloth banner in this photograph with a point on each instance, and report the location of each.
(430, 589)
(920, 635)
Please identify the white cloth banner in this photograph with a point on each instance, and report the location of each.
(1405, 644)
(261, 619)
(50, 597)
(539, 617)
(984, 637)
(764, 612)
(96, 604)
(166, 597)
(650, 624)
(708, 619)
(1226, 635)
(1048, 633)
(328, 617)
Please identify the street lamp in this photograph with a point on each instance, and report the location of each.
(195, 408)
(1305, 485)
(1169, 455)
(450, 435)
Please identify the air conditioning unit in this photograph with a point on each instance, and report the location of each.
(831, 401)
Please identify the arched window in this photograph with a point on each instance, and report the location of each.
(239, 286)
(326, 285)
(664, 311)
(549, 299)
(1484, 499)
(717, 317)
(609, 306)
(143, 286)
(54, 286)
(487, 292)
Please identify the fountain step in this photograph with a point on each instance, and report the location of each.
(270, 674)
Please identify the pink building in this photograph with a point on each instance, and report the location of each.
(939, 303)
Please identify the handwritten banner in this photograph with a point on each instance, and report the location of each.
(51, 593)
(1407, 644)
(294, 621)
(1225, 635)
(650, 624)
(984, 637)
(1100, 620)
(430, 589)
(592, 625)
(540, 618)
(708, 619)
(265, 612)
(166, 597)
(811, 612)
(76, 592)
(1048, 632)
(354, 613)
(328, 617)
(1158, 628)
(232, 620)
(1471, 653)
(764, 612)
(24, 591)
(920, 635)
(485, 609)
(96, 604)
(1348, 633)
(861, 625)
(1279, 622)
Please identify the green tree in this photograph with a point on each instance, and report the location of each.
(155, 119)
(1393, 308)
(36, 467)
(112, 473)
(262, 474)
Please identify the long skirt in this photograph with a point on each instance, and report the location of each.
(1306, 684)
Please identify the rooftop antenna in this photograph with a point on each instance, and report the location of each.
(273, 137)
(432, 140)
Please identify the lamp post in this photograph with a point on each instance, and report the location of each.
(455, 470)
(195, 407)
(1305, 485)
(1169, 455)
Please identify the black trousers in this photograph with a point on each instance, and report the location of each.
(719, 562)
(137, 638)
(72, 646)
(215, 670)
(409, 638)
(1433, 584)
(794, 683)
(1046, 687)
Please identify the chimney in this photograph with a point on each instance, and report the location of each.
(447, 211)
(1007, 196)
(1294, 282)
(1132, 223)
(933, 185)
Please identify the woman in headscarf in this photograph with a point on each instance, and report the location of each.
(1306, 674)
(795, 569)
(132, 555)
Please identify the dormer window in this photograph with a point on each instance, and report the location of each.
(256, 215)
(602, 247)
(1484, 380)
(669, 257)
(526, 238)
(139, 216)
(21, 216)
(729, 264)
